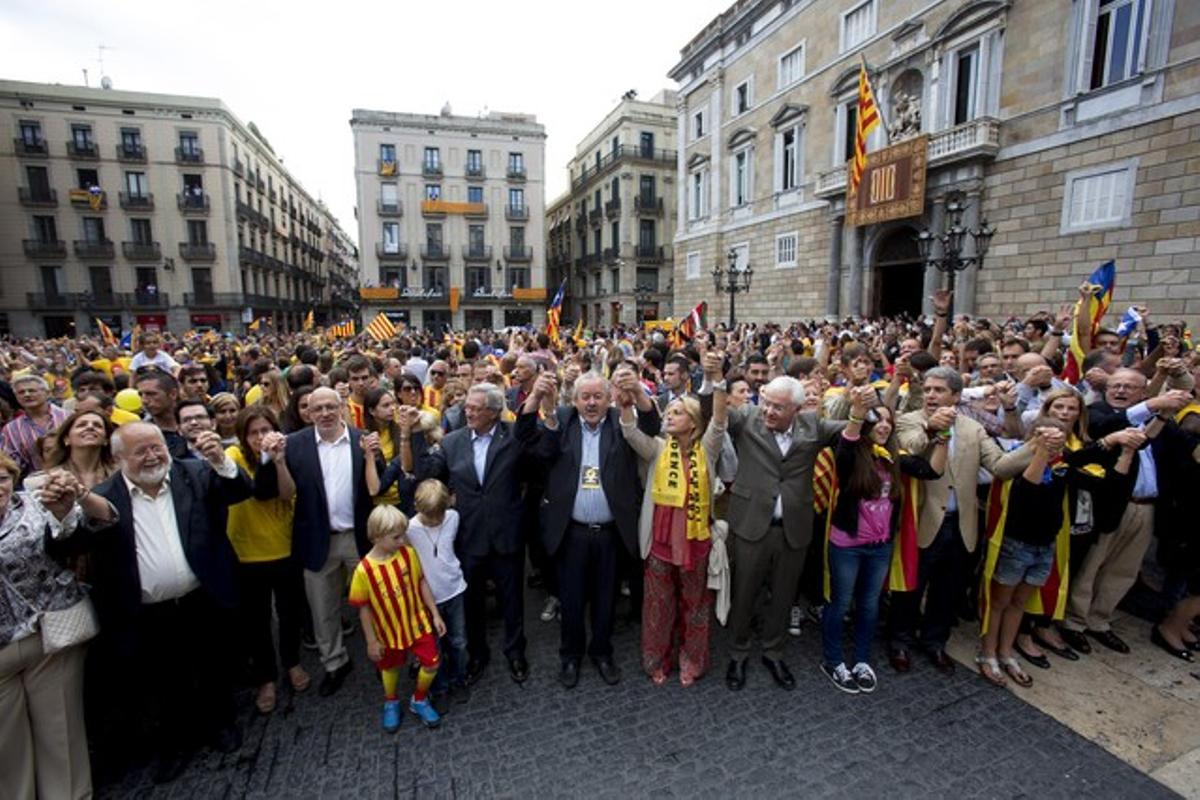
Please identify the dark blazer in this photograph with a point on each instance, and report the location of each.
(310, 526)
(559, 452)
(489, 515)
(202, 498)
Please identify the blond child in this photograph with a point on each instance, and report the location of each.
(397, 613)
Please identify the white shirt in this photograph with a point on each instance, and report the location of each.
(479, 444)
(337, 473)
(162, 565)
(435, 545)
(160, 360)
(784, 440)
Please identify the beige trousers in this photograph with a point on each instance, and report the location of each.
(1109, 570)
(43, 746)
(326, 590)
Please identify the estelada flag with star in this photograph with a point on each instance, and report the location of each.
(1100, 284)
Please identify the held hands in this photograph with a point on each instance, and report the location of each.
(407, 417)
(274, 444)
(208, 444)
(1038, 376)
(942, 419)
(861, 400)
(1128, 439)
(713, 363)
(1170, 401)
(60, 492)
(545, 386)
(370, 445)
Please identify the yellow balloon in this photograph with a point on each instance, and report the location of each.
(128, 400)
(254, 395)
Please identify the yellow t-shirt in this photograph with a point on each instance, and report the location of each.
(102, 365)
(120, 416)
(260, 530)
(387, 449)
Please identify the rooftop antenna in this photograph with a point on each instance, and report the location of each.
(105, 81)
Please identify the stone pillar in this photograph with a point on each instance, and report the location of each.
(834, 285)
(933, 278)
(964, 289)
(681, 177)
(854, 301)
(716, 200)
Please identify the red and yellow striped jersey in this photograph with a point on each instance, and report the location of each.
(392, 590)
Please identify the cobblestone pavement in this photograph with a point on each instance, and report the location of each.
(920, 734)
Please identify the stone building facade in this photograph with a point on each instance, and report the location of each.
(609, 234)
(1071, 126)
(178, 215)
(450, 218)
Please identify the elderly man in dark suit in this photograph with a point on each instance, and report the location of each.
(483, 465)
(590, 507)
(163, 575)
(329, 530)
(770, 514)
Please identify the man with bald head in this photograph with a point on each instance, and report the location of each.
(163, 575)
(329, 530)
(437, 375)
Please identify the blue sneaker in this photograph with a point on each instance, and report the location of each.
(391, 715)
(425, 712)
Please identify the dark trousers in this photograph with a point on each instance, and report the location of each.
(507, 572)
(258, 583)
(942, 571)
(587, 576)
(770, 560)
(538, 557)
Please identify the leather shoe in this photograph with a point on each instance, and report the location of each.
(610, 673)
(227, 740)
(780, 673)
(519, 668)
(169, 766)
(1062, 652)
(334, 680)
(1041, 662)
(568, 675)
(475, 669)
(942, 661)
(1157, 638)
(900, 660)
(1076, 641)
(735, 675)
(1109, 640)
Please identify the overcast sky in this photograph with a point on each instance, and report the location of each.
(297, 71)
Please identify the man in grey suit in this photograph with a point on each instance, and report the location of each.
(770, 514)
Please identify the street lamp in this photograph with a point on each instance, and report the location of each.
(952, 260)
(727, 281)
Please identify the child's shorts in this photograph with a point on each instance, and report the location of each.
(1023, 563)
(425, 649)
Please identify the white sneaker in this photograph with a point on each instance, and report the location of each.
(795, 620)
(864, 676)
(550, 610)
(841, 678)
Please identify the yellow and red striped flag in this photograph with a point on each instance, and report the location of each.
(1101, 284)
(106, 333)
(866, 120)
(256, 324)
(308, 321)
(381, 328)
(554, 313)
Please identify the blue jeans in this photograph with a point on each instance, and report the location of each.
(453, 646)
(855, 573)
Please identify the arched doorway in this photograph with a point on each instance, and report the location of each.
(899, 274)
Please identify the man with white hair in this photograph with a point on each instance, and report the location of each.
(39, 417)
(162, 570)
(770, 513)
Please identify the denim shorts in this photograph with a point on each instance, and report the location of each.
(1023, 563)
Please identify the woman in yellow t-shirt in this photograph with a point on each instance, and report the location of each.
(261, 534)
(380, 416)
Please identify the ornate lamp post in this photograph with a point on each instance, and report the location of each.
(952, 260)
(731, 281)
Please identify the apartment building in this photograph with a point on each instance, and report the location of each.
(610, 232)
(212, 231)
(1069, 125)
(450, 218)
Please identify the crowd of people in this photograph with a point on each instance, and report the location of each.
(298, 490)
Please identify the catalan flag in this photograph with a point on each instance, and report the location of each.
(344, 330)
(381, 328)
(866, 120)
(308, 321)
(95, 198)
(254, 326)
(106, 333)
(1101, 283)
(555, 312)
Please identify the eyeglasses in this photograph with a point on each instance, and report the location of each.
(437, 372)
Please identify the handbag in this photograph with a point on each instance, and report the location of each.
(63, 628)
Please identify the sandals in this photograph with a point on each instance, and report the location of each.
(989, 668)
(1012, 668)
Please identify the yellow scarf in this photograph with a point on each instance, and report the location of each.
(1191, 408)
(668, 488)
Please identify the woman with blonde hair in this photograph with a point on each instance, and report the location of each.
(225, 407)
(275, 392)
(675, 526)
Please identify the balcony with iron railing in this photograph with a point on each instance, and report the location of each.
(518, 252)
(239, 169)
(86, 199)
(94, 248)
(651, 254)
(475, 172)
(211, 299)
(144, 298)
(477, 252)
(612, 208)
(131, 153)
(189, 155)
(394, 209)
(84, 151)
(30, 149)
(612, 255)
(431, 169)
(515, 173)
(136, 202)
(142, 251)
(475, 210)
(434, 252)
(47, 198)
(595, 216)
(619, 153)
(190, 203)
(107, 300)
(43, 300)
(581, 223)
(648, 206)
(44, 248)
(385, 251)
(198, 251)
(516, 213)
